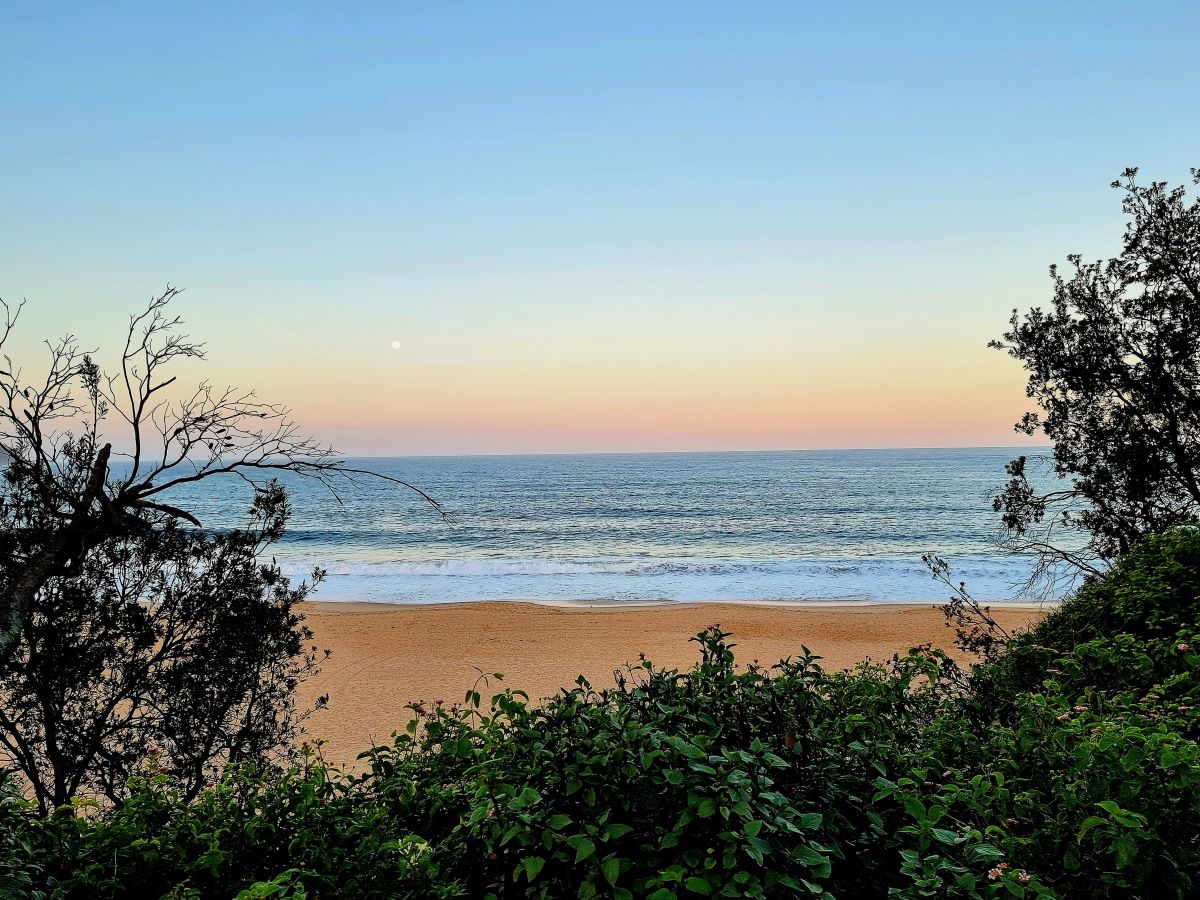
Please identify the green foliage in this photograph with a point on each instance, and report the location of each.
(1112, 366)
(1068, 768)
(1092, 719)
(175, 649)
(1121, 633)
(19, 869)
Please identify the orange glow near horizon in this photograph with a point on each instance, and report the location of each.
(734, 379)
(606, 404)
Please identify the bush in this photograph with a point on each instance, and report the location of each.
(1117, 634)
(711, 782)
(19, 868)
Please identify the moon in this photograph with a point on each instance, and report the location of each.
(395, 345)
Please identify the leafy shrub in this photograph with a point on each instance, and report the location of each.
(1152, 596)
(710, 782)
(19, 869)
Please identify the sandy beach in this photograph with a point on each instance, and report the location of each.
(385, 656)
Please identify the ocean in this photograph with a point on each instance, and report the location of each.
(815, 525)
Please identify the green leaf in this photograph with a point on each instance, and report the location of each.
(1087, 825)
(753, 828)
(953, 838)
(698, 886)
(529, 796)
(1129, 819)
(1126, 850)
(1132, 758)
(559, 822)
(691, 751)
(807, 856)
(611, 869)
(983, 853)
(811, 821)
(706, 808)
(533, 865)
(584, 847)
(916, 809)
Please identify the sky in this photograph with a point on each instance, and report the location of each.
(508, 227)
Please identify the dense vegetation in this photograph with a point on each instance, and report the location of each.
(1113, 367)
(178, 640)
(1069, 767)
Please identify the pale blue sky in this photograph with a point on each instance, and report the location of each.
(601, 226)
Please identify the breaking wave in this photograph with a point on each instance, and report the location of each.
(606, 579)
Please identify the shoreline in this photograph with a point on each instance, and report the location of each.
(386, 655)
(330, 605)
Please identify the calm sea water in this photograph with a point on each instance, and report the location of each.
(805, 525)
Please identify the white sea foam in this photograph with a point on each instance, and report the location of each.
(876, 579)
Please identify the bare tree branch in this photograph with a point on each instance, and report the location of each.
(58, 495)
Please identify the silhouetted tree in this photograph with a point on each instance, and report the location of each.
(1114, 367)
(168, 650)
(59, 496)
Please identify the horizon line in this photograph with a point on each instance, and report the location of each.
(692, 452)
